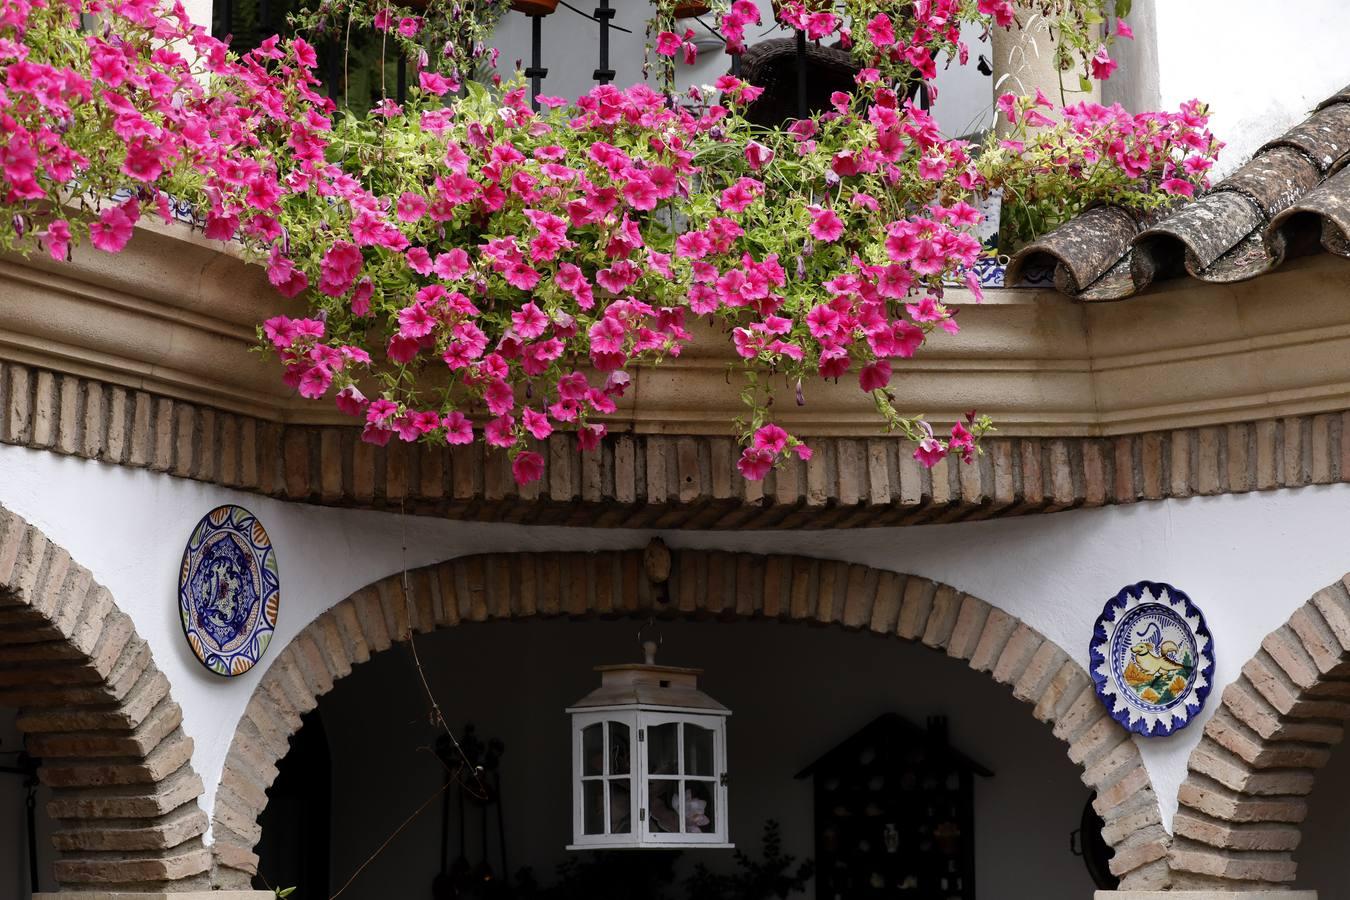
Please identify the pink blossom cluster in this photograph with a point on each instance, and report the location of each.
(909, 40)
(579, 269)
(126, 108)
(504, 270)
(1170, 151)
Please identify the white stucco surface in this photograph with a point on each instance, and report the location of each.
(1247, 560)
(1260, 70)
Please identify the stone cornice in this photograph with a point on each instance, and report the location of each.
(175, 315)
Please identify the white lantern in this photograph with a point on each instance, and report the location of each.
(649, 756)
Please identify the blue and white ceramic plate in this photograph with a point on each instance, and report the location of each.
(1152, 658)
(229, 590)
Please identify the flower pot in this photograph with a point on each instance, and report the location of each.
(811, 6)
(688, 10)
(535, 7)
(990, 206)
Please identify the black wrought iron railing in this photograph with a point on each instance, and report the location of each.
(360, 69)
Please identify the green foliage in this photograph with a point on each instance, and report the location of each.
(757, 879)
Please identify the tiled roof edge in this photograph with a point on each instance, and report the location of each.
(1295, 186)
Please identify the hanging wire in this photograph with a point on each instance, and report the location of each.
(479, 789)
(437, 718)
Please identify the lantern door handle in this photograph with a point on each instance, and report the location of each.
(722, 780)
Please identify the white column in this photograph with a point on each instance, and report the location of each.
(1024, 60)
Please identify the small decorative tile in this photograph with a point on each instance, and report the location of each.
(229, 590)
(1152, 658)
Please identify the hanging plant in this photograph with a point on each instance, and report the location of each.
(475, 269)
(905, 39)
(535, 7)
(687, 10)
(449, 38)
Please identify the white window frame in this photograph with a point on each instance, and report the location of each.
(580, 722)
(715, 724)
(640, 834)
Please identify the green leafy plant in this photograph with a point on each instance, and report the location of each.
(774, 875)
(474, 268)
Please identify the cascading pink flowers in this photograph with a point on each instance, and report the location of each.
(502, 273)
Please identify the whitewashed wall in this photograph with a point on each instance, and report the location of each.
(1248, 560)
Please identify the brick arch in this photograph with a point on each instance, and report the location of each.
(1246, 788)
(701, 584)
(96, 711)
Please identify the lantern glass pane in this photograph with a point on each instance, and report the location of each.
(620, 806)
(662, 806)
(593, 749)
(618, 749)
(593, 807)
(663, 749)
(699, 807)
(698, 750)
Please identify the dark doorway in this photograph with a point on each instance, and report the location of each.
(295, 825)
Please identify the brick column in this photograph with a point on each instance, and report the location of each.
(97, 712)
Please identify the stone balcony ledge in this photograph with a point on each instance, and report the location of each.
(175, 315)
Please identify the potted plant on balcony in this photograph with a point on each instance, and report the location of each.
(478, 270)
(535, 7)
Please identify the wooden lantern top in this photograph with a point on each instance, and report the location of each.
(649, 686)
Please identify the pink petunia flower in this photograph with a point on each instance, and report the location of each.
(350, 401)
(500, 432)
(1102, 64)
(536, 423)
(458, 428)
(930, 452)
(754, 464)
(771, 438)
(875, 376)
(57, 239)
(113, 230)
(826, 225)
(411, 207)
(528, 467)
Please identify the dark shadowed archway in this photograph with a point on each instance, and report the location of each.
(701, 584)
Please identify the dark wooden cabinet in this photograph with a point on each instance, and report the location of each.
(894, 815)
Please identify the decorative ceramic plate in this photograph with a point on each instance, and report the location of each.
(1152, 658)
(229, 590)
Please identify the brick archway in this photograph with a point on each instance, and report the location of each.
(705, 584)
(97, 712)
(1248, 780)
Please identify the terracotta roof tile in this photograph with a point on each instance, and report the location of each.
(1325, 210)
(1293, 196)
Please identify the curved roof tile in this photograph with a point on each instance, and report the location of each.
(1293, 195)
